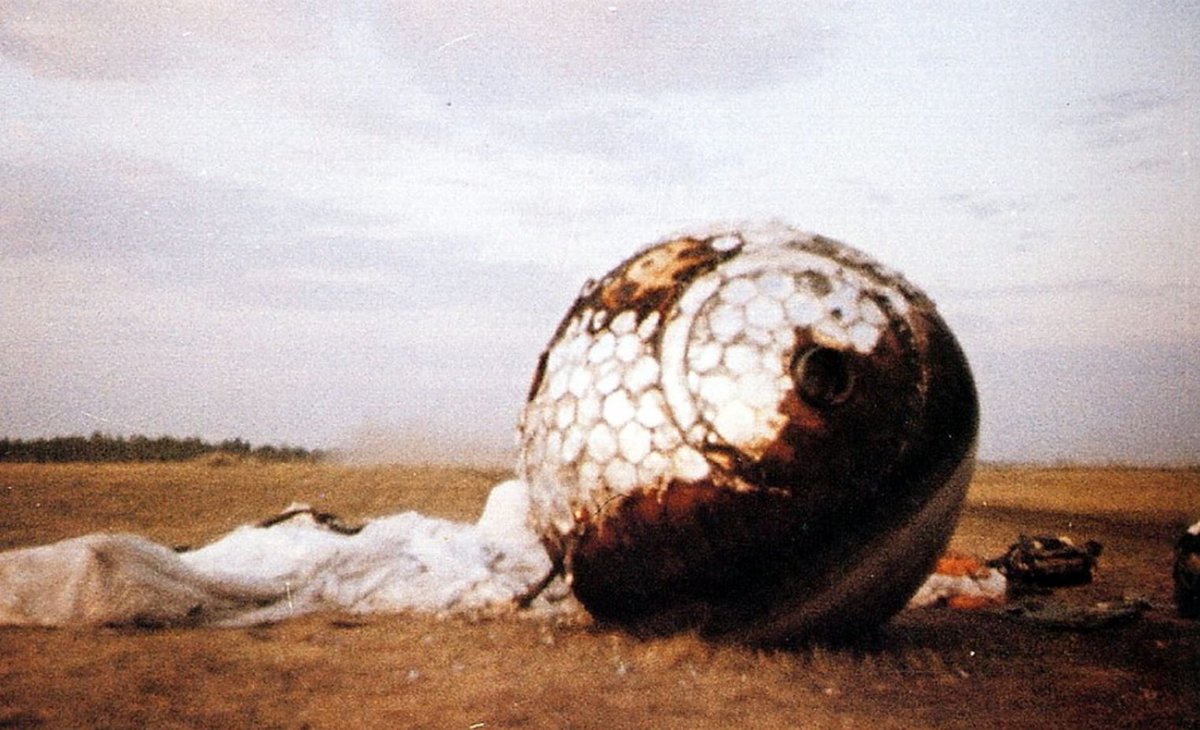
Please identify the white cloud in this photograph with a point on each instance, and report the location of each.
(141, 40)
(341, 186)
(538, 52)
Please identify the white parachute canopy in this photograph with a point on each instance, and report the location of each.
(403, 562)
(301, 563)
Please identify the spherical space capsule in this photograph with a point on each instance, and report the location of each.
(758, 431)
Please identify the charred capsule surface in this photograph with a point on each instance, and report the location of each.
(760, 429)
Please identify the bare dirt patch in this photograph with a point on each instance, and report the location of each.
(926, 668)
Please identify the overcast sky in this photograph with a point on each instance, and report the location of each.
(337, 223)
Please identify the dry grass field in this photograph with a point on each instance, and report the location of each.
(927, 668)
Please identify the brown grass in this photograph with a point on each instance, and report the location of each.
(927, 668)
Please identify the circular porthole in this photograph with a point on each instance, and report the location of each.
(822, 376)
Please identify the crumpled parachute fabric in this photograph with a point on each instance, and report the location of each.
(403, 562)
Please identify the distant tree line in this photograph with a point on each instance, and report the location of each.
(101, 447)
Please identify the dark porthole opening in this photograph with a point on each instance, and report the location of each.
(822, 376)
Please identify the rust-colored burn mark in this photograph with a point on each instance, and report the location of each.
(800, 418)
(649, 281)
(834, 452)
(795, 415)
(725, 457)
(653, 280)
(539, 373)
(815, 282)
(683, 543)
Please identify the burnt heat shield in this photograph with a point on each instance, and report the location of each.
(757, 431)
